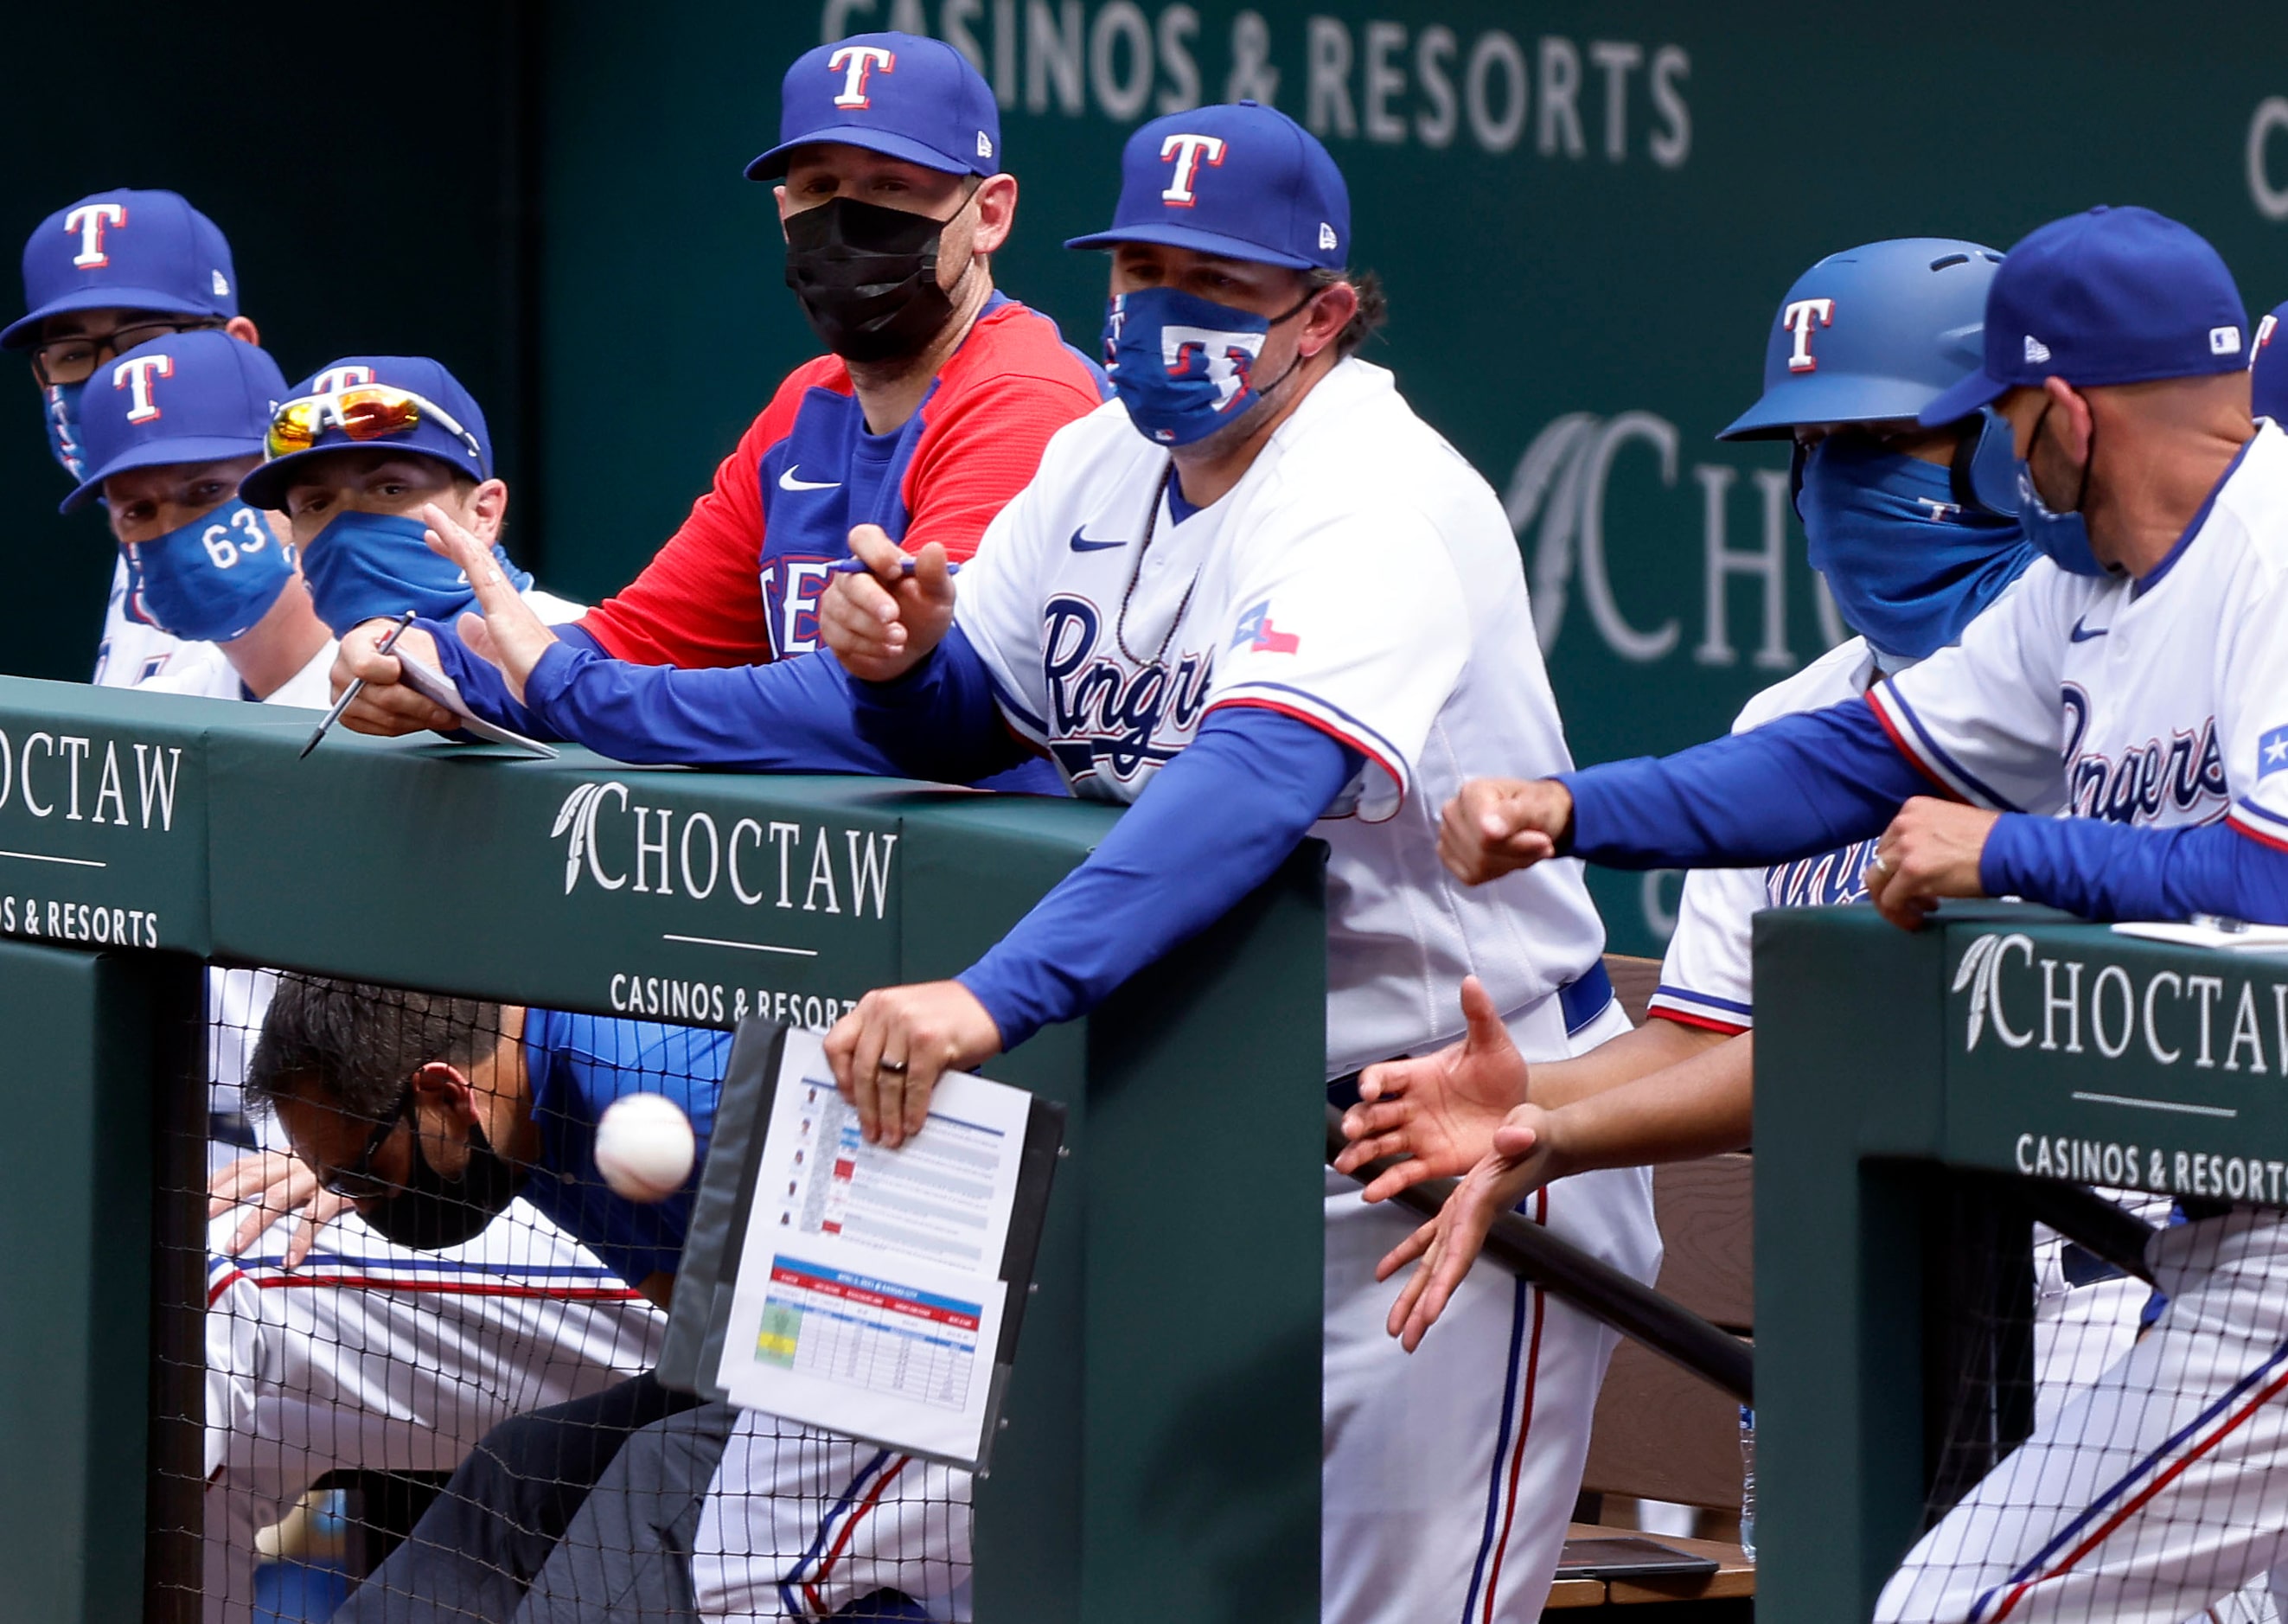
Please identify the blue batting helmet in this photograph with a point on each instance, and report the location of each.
(1873, 333)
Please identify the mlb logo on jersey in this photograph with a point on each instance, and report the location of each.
(1261, 636)
(2272, 752)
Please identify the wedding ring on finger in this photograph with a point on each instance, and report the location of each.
(894, 1068)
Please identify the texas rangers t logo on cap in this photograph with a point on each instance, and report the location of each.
(1797, 318)
(135, 374)
(1187, 150)
(333, 381)
(856, 63)
(89, 219)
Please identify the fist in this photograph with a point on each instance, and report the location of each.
(1497, 826)
(1932, 850)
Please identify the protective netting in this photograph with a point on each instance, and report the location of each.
(2098, 1445)
(437, 1402)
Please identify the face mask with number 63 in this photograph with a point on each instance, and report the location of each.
(210, 580)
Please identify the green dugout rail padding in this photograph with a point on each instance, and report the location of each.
(1161, 1454)
(2006, 1038)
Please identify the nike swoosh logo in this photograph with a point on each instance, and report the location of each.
(1082, 543)
(2080, 635)
(787, 482)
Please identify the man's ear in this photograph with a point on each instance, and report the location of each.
(243, 330)
(996, 213)
(779, 192)
(445, 1089)
(1324, 321)
(486, 510)
(2070, 419)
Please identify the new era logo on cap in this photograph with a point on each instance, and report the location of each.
(2037, 352)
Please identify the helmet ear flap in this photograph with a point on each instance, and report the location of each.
(1985, 467)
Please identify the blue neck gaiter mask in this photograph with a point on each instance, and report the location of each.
(212, 579)
(1908, 565)
(366, 567)
(1182, 365)
(59, 406)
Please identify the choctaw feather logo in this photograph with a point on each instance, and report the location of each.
(577, 818)
(1979, 969)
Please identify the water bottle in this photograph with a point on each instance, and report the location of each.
(1747, 1483)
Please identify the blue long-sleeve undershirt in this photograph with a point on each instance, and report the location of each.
(1212, 824)
(482, 686)
(2106, 870)
(1796, 787)
(938, 720)
(791, 716)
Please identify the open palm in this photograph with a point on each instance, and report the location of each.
(1438, 1111)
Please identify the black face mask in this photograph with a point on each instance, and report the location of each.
(433, 1212)
(867, 277)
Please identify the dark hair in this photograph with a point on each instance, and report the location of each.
(1373, 306)
(358, 1044)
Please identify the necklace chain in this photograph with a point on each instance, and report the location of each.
(1136, 572)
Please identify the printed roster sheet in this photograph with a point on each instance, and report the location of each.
(869, 1300)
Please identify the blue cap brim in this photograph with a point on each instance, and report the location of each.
(267, 486)
(1169, 235)
(1837, 398)
(160, 454)
(20, 334)
(772, 165)
(1965, 397)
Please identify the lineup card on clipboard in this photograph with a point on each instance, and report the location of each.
(867, 1292)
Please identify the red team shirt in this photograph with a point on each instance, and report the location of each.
(738, 584)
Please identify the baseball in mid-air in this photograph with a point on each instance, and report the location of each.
(645, 1147)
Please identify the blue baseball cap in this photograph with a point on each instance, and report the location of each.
(265, 487)
(898, 94)
(1242, 180)
(2268, 368)
(127, 250)
(2113, 296)
(188, 398)
(1872, 334)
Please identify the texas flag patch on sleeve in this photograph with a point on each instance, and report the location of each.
(1261, 637)
(2272, 752)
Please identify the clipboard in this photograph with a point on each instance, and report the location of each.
(699, 1324)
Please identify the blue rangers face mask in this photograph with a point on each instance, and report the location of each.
(59, 408)
(366, 566)
(1909, 563)
(210, 580)
(2003, 484)
(1183, 365)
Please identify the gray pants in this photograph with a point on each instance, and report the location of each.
(626, 1557)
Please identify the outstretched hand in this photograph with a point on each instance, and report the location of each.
(1497, 826)
(509, 634)
(1439, 1110)
(882, 621)
(1525, 1156)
